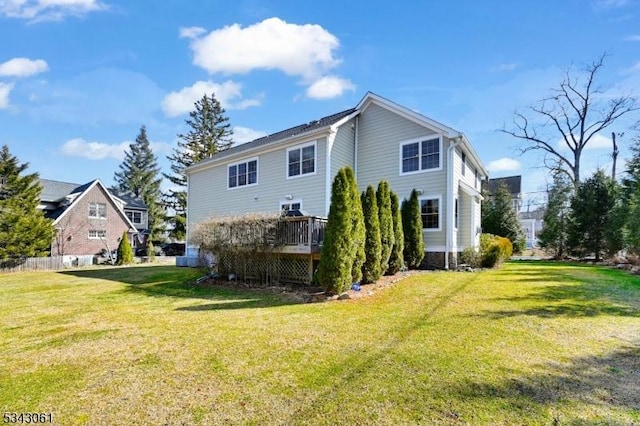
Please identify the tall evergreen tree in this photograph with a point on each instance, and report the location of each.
(557, 216)
(24, 231)
(630, 198)
(371, 270)
(387, 238)
(358, 234)
(210, 133)
(336, 259)
(412, 227)
(396, 260)
(591, 210)
(140, 175)
(500, 218)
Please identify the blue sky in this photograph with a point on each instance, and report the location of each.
(79, 77)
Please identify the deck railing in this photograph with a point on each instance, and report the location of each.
(301, 230)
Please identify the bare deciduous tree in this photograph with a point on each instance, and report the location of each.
(575, 112)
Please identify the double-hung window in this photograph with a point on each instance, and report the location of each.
(420, 155)
(243, 174)
(135, 217)
(97, 210)
(95, 234)
(301, 160)
(464, 163)
(430, 213)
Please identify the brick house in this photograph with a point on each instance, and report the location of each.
(88, 218)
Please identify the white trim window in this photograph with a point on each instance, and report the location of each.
(420, 155)
(285, 206)
(456, 212)
(243, 173)
(97, 234)
(463, 158)
(134, 217)
(97, 210)
(301, 160)
(430, 212)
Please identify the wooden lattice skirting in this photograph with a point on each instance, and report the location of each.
(268, 268)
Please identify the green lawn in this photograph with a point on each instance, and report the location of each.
(533, 343)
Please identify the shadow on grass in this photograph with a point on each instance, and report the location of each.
(573, 290)
(174, 282)
(600, 381)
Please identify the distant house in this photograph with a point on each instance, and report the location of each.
(513, 185)
(88, 218)
(531, 223)
(293, 170)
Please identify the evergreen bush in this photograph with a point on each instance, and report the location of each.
(396, 260)
(125, 253)
(412, 227)
(387, 238)
(371, 270)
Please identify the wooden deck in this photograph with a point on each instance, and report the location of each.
(300, 235)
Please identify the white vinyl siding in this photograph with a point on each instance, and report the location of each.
(208, 195)
(343, 151)
(380, 134)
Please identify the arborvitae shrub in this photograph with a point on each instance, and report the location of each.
(412, 226)
(125, 253)
(371, 271)
(336, 258)
(396, 260)
(387, 237)
(358, 233)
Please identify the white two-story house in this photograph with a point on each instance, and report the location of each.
(379, 139)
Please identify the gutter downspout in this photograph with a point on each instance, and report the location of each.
(449, 232)
(333, 131)
(355, 148)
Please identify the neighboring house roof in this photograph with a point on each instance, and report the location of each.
(537, 214)
(130, 200)
(513, 184)
(53, 193)
(326, 123)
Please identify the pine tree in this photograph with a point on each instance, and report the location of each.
(125, 253)
(371, 270)
(412, 227)
(210, 133)
(591, 215)
(500, 218)
(140, 175)
(396, 260)
(556, 216)
(630, 198)
(387, 237)
(336, 260)
(358, 233)
(24, 230)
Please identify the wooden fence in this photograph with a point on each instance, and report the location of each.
(52, 263)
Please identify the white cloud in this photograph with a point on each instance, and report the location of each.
(245, 134)
(94, 150)
(634, 37)
(229, 94)
(191, 32)
(504, 165)
(48, 10)
(596, 142)
(5, 89)
(273, 44)
(504, 67)
(329, 87)
(22, 67)
(610, 4)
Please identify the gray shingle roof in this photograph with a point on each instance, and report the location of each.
(284, 134)
(53, 190)
(513, 184)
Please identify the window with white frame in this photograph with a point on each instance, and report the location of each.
(95, 234)
(301, 160)
(243, 174)
(420, 155)
(135, 217)
(286, 206)
(430, 213)
(475, 182)
(464, 163)
(97, 210)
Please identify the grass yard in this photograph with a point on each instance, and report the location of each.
(533, 343)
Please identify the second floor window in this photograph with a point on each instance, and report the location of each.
(243, 174)
(97, 234)
(420, 155)
(301, 160)
(134, 217)
(98, 210)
